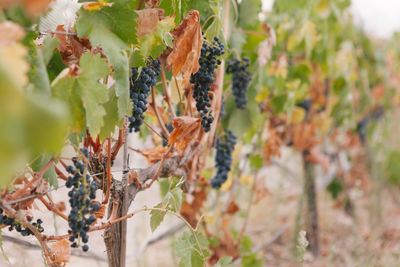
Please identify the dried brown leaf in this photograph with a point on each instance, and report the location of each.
(184, 57)
(71, 48)
(304, 136)
(186, 129)
(148, 20)
(232, 207)
(155, 154)
(273, 145)
(61, 251)
(189, 209)
(10, 32)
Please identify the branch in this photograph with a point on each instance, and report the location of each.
(167, 98)
(159, 119)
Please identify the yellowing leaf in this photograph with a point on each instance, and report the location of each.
(14, 64)
(246, 179)
(95, 5)
(298, 115)
(227, 184)
(209, 219)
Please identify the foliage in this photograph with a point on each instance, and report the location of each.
(313, 81)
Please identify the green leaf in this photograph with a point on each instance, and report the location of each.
(136, 60)
(111, 119)
(335, 187)
(189, 252)
(278, 103)
(175, 197)
(156, 217)
(49, 45)
(119, 18)
(248, 13)
(86, 91)
(252, 261)
(93, 93)
(38, 73)
(115, 50)
(225, 262)
(256, 161)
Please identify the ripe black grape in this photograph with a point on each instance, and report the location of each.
(13, 224)
(204, 78)
(240, 79)
(140, 86)
(223, 158)
(83, 191)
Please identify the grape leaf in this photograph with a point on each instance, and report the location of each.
(172, 201)
(86, 89)
(248, 13)
(224, 262)
(111, 119)
(119, 18)
(156, 217)
(189, 251)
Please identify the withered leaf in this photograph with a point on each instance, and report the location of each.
(186, 129)
(184, 57)
(71, 47)
(153, 155)
(148, 20)
(232, 207)
(61, 251)
(304, 136)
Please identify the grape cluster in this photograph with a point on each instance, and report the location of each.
(13, 224)
(204, 78)
(240, 79)
(140, 86)
(223, 158)
(80, 198)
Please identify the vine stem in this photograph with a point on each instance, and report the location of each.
(159, 119)
(167, 98)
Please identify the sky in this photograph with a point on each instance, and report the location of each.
(379, 18)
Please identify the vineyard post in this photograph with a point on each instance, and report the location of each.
(115, 235)
(312, 206)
